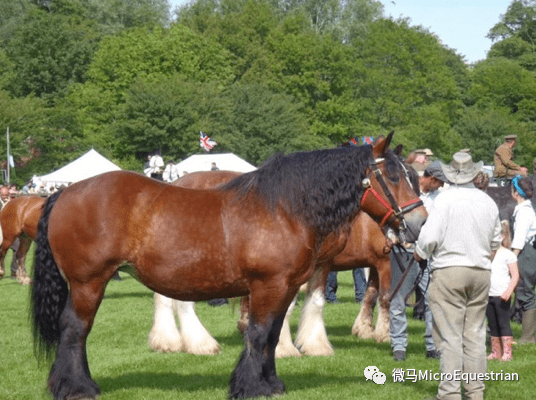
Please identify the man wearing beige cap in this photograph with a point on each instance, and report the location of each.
(505, 167)
(421, 160)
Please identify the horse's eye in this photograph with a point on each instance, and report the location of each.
(366, 183)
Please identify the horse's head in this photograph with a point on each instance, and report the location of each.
(389, 197)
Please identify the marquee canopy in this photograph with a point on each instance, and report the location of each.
(86, 166)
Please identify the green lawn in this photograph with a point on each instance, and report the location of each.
(125, 368)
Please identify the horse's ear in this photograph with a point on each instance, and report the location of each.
(381, 145)
(398, 150)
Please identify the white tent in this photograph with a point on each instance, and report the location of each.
(224, 162)
(86, 166)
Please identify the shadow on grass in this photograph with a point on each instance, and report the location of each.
(198, 382)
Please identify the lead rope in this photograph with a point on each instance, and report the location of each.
(405, 273)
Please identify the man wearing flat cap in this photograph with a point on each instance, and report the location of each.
(432, 179)
(462, 234)
(505, 167)
(421, 160)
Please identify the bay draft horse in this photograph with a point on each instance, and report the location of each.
(259, 235)
(19, 219)
(366, 247)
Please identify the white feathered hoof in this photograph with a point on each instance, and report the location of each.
(162, 342)
(317, 348)
(382, 336)
(364, 331)
(286, 350)
(164, 336)
(201, 346)
(195, 337)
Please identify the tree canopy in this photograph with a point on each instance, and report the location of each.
(258, 76)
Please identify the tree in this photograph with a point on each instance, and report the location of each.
(40, 138)
(404, 79)
(248, 120)
(49, 52)
(483, 129)
(501, 82)
(255, 123)
(140, 53)
(165, 115)
(518, 21)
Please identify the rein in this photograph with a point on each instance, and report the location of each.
(405, 273)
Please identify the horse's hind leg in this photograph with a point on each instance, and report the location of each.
(363, 324)
(164, 336)
(70, 377)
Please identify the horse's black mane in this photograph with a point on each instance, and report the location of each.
(322, 188)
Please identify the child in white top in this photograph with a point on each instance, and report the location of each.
(504, 279)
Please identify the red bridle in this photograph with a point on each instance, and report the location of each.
(401, 209)
(394, 210)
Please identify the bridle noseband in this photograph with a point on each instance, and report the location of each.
(394, 211)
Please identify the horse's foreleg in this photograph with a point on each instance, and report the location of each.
(285, 347)
(363, 324)
(382, 323)
(164, 335)
(70, 377)
(311, 338)
(255, 373)
(195, 337)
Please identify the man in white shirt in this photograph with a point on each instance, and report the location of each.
(462, 233)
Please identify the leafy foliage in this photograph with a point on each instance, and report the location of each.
(259, 76)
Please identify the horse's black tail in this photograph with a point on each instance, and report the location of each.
(49, 291)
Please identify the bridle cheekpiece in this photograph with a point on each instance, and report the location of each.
(394, 211)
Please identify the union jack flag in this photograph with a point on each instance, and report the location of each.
(206, 142)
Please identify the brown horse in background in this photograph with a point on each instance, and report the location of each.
(19, 219)
(261, 235)
(366, 247)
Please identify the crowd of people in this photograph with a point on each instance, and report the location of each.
(470, 267)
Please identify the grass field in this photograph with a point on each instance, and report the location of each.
(126, 369)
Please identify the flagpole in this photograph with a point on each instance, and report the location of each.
(8, 154)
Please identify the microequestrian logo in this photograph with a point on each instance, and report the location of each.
(372, 372)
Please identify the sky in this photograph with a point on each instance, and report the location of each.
(460, 25)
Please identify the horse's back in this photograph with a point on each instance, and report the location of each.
(128, 210)
(205, 179)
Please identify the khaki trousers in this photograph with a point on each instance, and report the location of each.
(458, 300)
